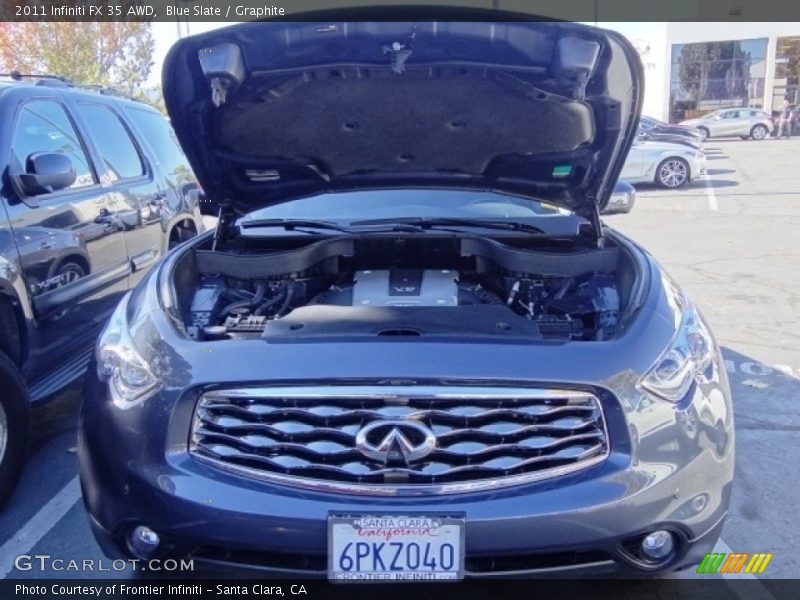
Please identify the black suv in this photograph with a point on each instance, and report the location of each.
(94, 189)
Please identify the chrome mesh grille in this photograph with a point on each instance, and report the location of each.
(485, 437)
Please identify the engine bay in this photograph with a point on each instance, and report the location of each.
(404, 289)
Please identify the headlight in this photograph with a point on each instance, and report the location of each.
(688, 359)
(119, 363)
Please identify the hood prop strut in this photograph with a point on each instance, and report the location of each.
(594, 229)
(225, 220)
(597, 226)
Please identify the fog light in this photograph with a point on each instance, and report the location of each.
(659, 545)
(143, 541)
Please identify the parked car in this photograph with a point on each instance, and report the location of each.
(649, 136)
(81, 171)
(654, 128)
(387, 362)
(622, 199)
(729, 122)
(665, 164)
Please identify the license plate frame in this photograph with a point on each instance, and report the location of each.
(343, 528)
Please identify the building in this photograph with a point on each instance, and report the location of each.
(700, 67)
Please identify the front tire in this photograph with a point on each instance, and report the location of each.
(759, 132)
(672, 173)
(15, 426)
(704, 134)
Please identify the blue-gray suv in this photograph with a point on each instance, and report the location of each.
(410, 349)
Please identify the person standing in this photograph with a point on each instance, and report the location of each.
(785, 121)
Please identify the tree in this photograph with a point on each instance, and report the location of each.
(118, 55)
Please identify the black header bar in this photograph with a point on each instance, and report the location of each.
(590, 11)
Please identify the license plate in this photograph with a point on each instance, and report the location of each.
(367, 548)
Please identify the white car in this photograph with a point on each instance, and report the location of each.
(744, 122)
(665, 164)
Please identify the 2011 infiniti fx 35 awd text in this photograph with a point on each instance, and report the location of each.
(410, 349)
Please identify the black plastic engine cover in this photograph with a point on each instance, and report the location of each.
(315, 322)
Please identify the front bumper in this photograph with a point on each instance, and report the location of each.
(575, 524)
(223, 561)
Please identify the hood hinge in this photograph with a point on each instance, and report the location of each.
(225, 220)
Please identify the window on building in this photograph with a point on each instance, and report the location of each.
(707, 76)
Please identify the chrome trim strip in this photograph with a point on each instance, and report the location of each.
(397, 394)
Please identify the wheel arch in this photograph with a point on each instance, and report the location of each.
(667, 155)
(186, 222)
(183, 220)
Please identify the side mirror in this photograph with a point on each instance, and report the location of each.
(47, 172)
(622, 199)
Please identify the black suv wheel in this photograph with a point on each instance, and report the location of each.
(14, 426)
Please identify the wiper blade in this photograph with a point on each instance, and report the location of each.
(442, 222)
(291, 224)
(304, 224)
(409, 224)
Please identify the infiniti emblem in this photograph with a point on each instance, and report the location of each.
(395, 441)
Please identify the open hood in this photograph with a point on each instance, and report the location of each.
(273, 110)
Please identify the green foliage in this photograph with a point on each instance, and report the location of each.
(111, 54)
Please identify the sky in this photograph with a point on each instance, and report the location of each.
(166, 34)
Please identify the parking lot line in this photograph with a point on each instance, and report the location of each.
(759, 592)
(712, 196)
(38, 526)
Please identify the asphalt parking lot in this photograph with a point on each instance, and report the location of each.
(732, 241)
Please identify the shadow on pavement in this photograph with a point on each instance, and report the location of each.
(767, 420)
(59, 414)
(720, 183)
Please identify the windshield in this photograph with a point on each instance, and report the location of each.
(346, 207)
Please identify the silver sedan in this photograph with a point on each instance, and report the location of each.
(665, 164)
(728, 122)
